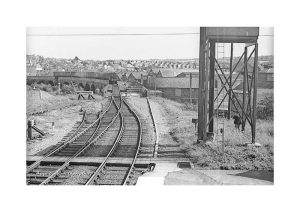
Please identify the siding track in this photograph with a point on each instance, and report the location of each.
(94, 127)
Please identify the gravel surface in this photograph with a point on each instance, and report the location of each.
(135, 174)
(78, 175)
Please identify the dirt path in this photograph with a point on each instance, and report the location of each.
(168, 115)
(163, 120)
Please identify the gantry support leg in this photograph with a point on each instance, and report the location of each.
(201, 99)
(230, 82)
(254, 93)
(211, 86)
(244, 90)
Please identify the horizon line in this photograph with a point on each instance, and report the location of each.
(197, 58)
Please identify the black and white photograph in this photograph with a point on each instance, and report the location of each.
(161, 105)
(150, 105)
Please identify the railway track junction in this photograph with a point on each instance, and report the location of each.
(111, 147)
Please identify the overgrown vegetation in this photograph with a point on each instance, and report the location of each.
(210, 155)
(265, 108)
(44, 87)
(65, 88)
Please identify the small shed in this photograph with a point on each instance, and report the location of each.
(124, 77)
(131, 78)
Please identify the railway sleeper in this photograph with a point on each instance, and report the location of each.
(110, 182)
(116, 168)
(65, 154)
(57, 181)
(45, 168)
(112, 176)
(38, 175)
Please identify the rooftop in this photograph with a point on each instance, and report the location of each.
(174, 82)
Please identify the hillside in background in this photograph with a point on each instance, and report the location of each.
(39, 65)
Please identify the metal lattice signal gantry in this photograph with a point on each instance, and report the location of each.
(241, 102)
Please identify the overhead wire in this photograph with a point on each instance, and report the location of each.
(120, 34)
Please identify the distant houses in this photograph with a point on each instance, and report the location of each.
(177, 80)
(75, 64)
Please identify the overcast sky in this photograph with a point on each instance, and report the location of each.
(87, 46)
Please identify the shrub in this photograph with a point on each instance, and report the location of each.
(189, 106)
(97, 91)
(39, 86)
(87, 87)
(265, 108)
(47, 88)
(270, 131)
(67, 89)
(80, 88)
(54, 87)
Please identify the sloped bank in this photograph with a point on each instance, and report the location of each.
(210, 156)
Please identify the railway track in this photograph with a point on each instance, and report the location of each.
(126, 144)
(93, 128)
(149, 138)
(66, 139)
(116, 134)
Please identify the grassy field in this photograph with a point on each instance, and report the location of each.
(210, 156)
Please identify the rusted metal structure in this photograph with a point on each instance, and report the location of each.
(210, 68)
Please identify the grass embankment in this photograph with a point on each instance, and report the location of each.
(210, 156)
(39, 101)
(62, 111)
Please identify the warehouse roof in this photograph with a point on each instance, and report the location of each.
(187, 74)
(174, 82)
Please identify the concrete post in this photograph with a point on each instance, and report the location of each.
(29, 128)
(58, 87)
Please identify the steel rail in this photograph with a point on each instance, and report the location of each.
(67, 163)
(140, 130)
(78, 128)
(83, 148)
(116, 142)
(154, 127)
(37, 163)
